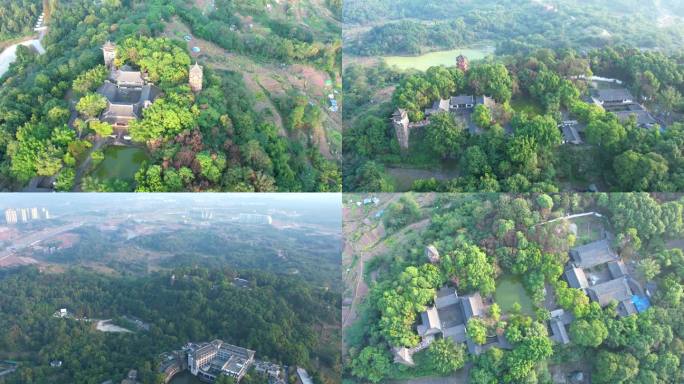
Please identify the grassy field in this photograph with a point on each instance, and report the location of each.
(531, 107)
(589, 229)
(447, 58)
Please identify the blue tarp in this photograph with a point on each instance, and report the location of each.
(641, 303)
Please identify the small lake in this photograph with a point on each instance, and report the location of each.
(184, 378)
(509, 290)
(120, 163)
(447, 58)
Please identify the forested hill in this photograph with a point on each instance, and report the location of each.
(412, 26)
(219, 139)
(280, 317)
(364, 11)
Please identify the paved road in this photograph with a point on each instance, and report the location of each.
(460, 377)
(36, 238)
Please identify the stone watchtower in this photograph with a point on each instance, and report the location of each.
(400, 122)
(462, 63)
(109, 53)
(196, 77)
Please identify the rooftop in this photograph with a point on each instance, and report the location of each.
(576, 278)
(608, 95)
(617, 290)
(592, 254)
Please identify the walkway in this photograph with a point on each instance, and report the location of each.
(83, 168)
(570, 217)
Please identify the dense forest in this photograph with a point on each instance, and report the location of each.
(279, 317)
(298, 252)
(520, 148)
(212, 141)
(482, 237)
(18, 17)
(408, 27)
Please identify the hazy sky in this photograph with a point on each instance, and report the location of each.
(326, 203)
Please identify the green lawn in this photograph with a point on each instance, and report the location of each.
(529, 106)
(446, 58)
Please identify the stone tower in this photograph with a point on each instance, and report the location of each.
(109, 52)
(196, 77)
(400, 121)
(462, 63)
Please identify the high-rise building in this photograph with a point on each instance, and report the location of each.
(34, 214)
(11, 216)
(254, 218)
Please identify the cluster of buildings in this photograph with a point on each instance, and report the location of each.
(448, 318)
(254, 218)
(460, 105)
(594, 268)
(24, 215)
(602, 275)
(209, 360)
(618, 101)
(621, 102)
(129, 92)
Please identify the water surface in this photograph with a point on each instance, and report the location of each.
(509, 290)
(120, 163)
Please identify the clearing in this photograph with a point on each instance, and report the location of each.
(269, 82)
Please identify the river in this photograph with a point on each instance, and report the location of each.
(9, 55)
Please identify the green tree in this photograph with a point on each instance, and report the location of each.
(102, 129)
(477, 330)
(371, 364)
(469, 266)
(91, 105)
(445, 135)
(588, 333)
(482, 117)
(492, 80)
(445, 356)
(612, 368)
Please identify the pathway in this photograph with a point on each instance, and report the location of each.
(570, 217)
(460, 377)
(85, 165)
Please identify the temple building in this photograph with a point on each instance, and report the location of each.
(462, 63)
(598, 271)
(128, 92)
(196, 78)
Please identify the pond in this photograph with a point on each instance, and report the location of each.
(447, 58)
(120, 163)
(509, 290)
(184, 378)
